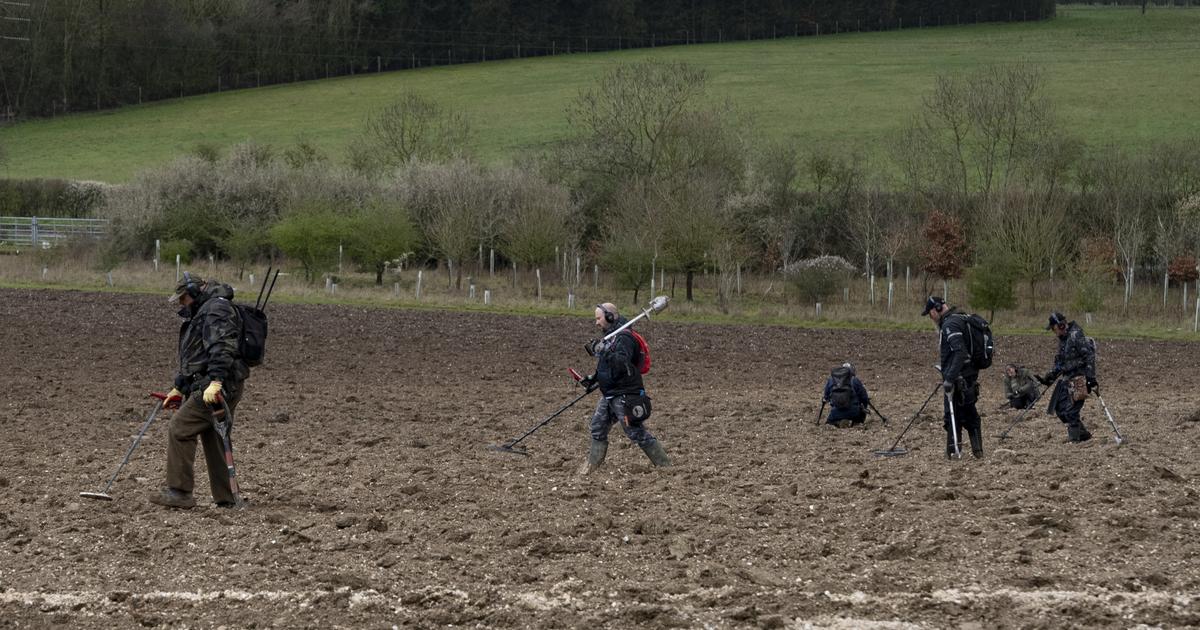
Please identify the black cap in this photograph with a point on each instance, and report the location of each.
(932, 304)
(1056, 318)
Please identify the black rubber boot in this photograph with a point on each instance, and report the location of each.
(596, 455)
(976, 436)
(658, 456)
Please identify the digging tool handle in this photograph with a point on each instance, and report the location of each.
(882, 417)
(223, 423)
(821, 413)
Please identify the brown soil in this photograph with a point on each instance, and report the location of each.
(374, 502)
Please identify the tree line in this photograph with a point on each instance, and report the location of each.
(983, 184)
(92, 54)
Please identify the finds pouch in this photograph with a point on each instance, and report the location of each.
(1077, 386)
(637, 407)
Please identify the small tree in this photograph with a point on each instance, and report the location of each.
(536, 217)
(817, 278)
(379, 233)
(411, 127)
(311, 235)
(990, 282)
(945, 249)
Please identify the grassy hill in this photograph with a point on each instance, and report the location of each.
(1118, 77)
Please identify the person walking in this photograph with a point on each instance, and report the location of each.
(960, 377)
(210, 369)
(847, 397)
(1073, 376)
(622, 394)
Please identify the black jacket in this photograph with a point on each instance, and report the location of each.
(1075, 356)
(208, 342)
(616, 370)
(952, 345)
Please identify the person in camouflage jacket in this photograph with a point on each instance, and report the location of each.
(210, 368)
(1075, 372)
(1020, 386)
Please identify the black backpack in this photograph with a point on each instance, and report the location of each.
(252, 338)
(842, 393)
(981, 345)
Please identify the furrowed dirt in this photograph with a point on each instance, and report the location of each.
(361, 447)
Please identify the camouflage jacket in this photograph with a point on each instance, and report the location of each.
(1022, 383)
(208, 341)
(1076, 356)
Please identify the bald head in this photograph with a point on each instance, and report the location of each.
(606, 314)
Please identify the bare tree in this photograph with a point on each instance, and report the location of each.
(1116, 187)
(446, 200)
(1033, 236)
(537, 217)
(411, 127)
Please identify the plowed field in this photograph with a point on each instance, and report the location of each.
(373, 501)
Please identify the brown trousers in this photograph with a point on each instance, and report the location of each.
(191, 421)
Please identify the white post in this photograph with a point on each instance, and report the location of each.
(662, 279)
(945, 291)
(570, 299)
(333, 288)
(651, 284)
(45, 270)
(845, 295)
(907, 293)
(251, 279)
(1166, 286)
(818, 310)
(872, 288)
(110, 282)
(595, 276)
(514, 265)
(578, 270)
(328, 284)
(487, 297)
(492, 263)
(420, 277)
(339, 259)
(212, 264)
(449, 273)
(471, 291)
(739, 279)
(1196, 321)
(157, 253)
(396, 288)
(177, 274)
(539, 284)
(1088, 318)
(891, 295)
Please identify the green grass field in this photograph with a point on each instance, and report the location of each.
(1117, 76)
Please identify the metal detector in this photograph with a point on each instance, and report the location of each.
(1116, 432)
(657, 305)
(103, 494)
(511, 445)
(820, 413)
(896, 450)
(1021, 416)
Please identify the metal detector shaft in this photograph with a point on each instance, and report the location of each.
(103, 494)
(270, 290)
(882, 417)
(1021, 416)
(1116, 431)
(820, 413)
(953, 424)
(915, 416)
(657, 305)
(552, 416)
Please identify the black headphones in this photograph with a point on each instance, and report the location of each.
(191, 286)
(609, 316)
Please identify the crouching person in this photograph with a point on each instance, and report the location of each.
(847, 397)
(209, 369)
(622, 395)
(1020, 386)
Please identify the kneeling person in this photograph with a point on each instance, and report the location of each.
(621, 391)
(1020, 386)
(847, 397)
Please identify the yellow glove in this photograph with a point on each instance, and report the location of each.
(173, 400)
(212, 393)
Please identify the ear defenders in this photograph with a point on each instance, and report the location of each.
(609, 316)
(191, 285)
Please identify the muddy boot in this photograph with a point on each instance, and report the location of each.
(170, 497)
(1076, 432)
(596, 454)
(976, 436)
(658, 456)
